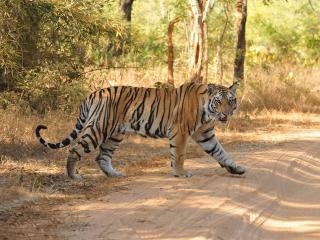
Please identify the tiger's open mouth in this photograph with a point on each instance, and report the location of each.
(223, 118)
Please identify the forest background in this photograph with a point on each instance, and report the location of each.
(53, 52)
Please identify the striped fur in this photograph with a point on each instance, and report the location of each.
(175, 113)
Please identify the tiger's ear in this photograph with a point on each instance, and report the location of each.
(234, 86)
(211, 88)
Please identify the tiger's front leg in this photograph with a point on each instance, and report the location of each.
(177, 155)
(210, 144)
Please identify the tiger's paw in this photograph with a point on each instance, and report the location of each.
(236, 169)
(115, 174)
(221, 165)
(76, 177)
(186, 174)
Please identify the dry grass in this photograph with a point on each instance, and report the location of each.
(27, 165)
(29, 171)
(283, 88)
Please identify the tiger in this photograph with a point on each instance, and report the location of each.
(191, 110)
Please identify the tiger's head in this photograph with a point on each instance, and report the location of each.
(222, 102)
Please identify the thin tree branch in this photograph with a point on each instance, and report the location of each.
(170, 50)
(110, 67)
(241, 17)
(209, 5)
(313, 8)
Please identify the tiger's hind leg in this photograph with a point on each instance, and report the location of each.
(104, 158)
(88, 142)
(210, 144)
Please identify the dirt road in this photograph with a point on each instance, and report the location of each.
(278, 198)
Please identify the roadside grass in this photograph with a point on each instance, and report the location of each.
(29, 172)
(285, 88)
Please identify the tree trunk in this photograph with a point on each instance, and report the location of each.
(162, 10)
(199, 40)
(218, 71)
(126, 9)
(170, 51)
(29, 42)
(205, 53)
(218, 65)
(241, 18)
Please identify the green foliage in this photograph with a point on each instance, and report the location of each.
(14, 32)
(44, 91)
(46, 45)
(284, 31)
(77, 32)
(46, 41)
(64, 35)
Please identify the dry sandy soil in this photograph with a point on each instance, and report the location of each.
(277, 198)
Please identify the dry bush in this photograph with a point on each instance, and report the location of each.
(29, 172)
(282, 88)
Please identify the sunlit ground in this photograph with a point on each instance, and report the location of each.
(277, 199)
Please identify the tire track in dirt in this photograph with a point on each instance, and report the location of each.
(278, 198)
(269, 210)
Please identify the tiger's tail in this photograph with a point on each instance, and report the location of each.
(72, 136)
